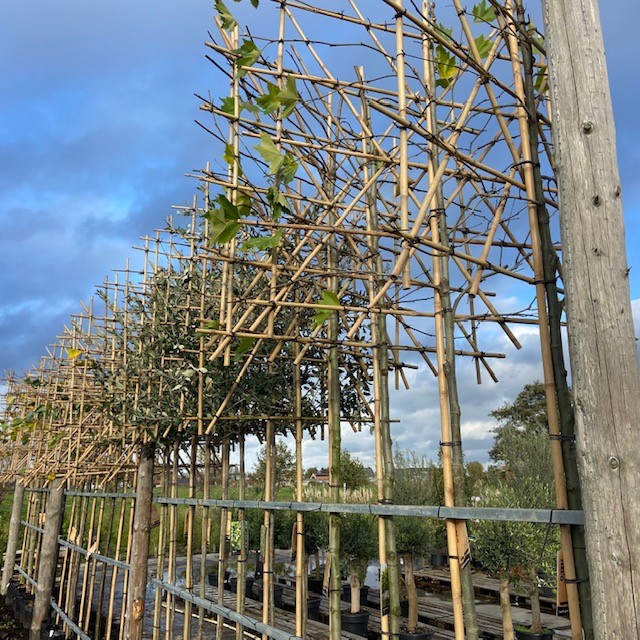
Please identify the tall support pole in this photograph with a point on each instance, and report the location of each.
(602, 347)
(140, 544)
(14, 533)
(48, 557)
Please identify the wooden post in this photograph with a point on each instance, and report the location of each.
(140, 544)
(602, 346)
(12, 542)
(48, 557)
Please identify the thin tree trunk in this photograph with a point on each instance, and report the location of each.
(602, 345)
(536, 615)
(48, 561)
(137, 587)
(505, 606)
(412, 592)
(354, 579)
(14, 533)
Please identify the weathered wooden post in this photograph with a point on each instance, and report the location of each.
(602, 346)
(137, 588)
(12, 542)
(48, 562)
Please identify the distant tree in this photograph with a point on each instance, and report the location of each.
(311, 471)
(521, 448)
(475, 477)
(352, 472)
(285, 466)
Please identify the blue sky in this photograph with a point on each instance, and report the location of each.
(97, 131)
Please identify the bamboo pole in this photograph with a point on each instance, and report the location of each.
(242, 556)
(563, 397)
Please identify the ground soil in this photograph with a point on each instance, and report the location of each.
(9, 628)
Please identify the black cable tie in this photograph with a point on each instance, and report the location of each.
(576, 580)
(561, 437)
(454, 443)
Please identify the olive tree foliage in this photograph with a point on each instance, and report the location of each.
(160, 375)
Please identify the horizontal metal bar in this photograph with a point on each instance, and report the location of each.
(225, 612)
(25, 575)
(33, 527)
(36, 490)
(89, 494)
(105, 559)
(552, 516)
(69, 622)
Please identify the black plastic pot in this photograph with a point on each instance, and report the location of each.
(277, 592)
(315, 585)
(439, 560)
(364, 594)
(526, 634)
(248, 586)
(313, 608)
(417, 635)
(213, 577)
(355, 622)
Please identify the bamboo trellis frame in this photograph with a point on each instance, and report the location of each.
(412, 192)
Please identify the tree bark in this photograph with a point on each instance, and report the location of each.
(48, 562)
(12, 542)
(137, 588)
(505, 606)
(602, 346)
(412, 592)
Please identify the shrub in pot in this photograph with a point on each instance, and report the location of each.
(514, 552)
(357, 547)
(414, 538)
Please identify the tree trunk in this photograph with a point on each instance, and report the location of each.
(536, 615)
(14, 533)
(602, 345)
(505, 606)
(48, 561)
(355, 588)
(412, 592)
(137, 587)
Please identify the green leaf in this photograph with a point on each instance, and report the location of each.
(288, 169)
(269, 101)
(226, 17)
(244, 345)
(445, 66)
(227, 207)
(541, 77)
(270, 153)
(229, 155)
(484, 46)
(483, 12)
(447, 32)
(289, 97)
(72, 354)
(247, 54)
(262, 243)
(277, 202)
(243, 204)
(221, 228)
(321, 315)
(228, 105)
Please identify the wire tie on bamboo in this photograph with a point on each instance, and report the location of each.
(562, 437)
(453, 443)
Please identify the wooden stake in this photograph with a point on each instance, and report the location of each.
(602, 345)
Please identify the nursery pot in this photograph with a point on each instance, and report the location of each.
(364, 594)
(313, 608)
(416, 635)
(213, 577)
(258, 588)
(355, 622)
(527, 634)
(439, 560)
(315, 585)
(248, 586)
